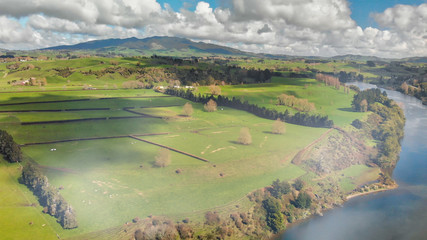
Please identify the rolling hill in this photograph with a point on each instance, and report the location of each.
(152, 44)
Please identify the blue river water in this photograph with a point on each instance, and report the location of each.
(399, 214)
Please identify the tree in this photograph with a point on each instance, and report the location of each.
(245, 137)
(280, 188)
(299, 184)
(278, 127)
(163, 158)
(404, 87)
(188, 109)
(274, 218)
(215, 90)
(185, 231)
(210, 106)
(303, 200)
(212, 218)
(364, 105)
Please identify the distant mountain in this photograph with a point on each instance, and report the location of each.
(350, 57)
(152, 44)
(416, 59)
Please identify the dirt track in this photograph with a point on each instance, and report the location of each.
(299, 156)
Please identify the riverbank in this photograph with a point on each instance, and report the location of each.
(387, 188)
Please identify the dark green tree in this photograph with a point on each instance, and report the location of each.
(275, 220)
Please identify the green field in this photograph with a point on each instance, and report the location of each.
(111, 180)
(104, 180)
(328, 101)
(21, 220)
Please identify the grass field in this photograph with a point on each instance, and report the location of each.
(17, 211)
(328, 101)
(111, 181)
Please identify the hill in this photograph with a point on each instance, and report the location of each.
(152, 44)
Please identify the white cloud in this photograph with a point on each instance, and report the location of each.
(296, 27)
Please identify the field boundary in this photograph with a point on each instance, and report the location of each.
(89, 119)
(89, 139)
(170, 148)
(83, 99)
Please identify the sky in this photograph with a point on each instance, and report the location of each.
(384, 28)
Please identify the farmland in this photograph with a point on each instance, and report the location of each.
(98, 146)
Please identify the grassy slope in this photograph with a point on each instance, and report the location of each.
(102, 178)
(112, 166)
(328, 101)
(16, 212)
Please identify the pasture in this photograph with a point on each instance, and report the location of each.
(99, 146)
(328, 101)
(110, 181)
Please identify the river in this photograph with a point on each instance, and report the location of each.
(392, 215)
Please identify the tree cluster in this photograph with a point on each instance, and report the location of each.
(9, 148)
(274, 218)
(390, 130)
(49, 197)
(299, 104)
(328, 80)
(304, 119)
(133, 85)
(364, 99)
(279, 188)
(389, 133)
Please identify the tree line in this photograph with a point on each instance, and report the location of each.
(49, 197)
(299, 104)
(390, 131)
(298, 118)
(9, 148)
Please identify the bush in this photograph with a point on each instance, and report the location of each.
(357, 124)
(299, 184)
(212, 218)
(280, 188)
(163, 158)
(185, 231)
(245, 137)
(188, 109)
(303, 200)
(274, 218)
(278, 127)
(210, 106)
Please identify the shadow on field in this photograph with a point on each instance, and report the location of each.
(346, 109)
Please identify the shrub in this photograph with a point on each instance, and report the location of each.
(188, 109)
(212, 218)
(185, 231)
(278, 127)
(245, 137)
(163, 158)
(210, 106)
(303, 200)
(299, 184)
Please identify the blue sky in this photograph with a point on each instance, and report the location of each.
(361, 9)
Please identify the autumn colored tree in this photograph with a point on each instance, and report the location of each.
(245, 137)
(215, 90)
(188, 109)
(364, 105)
(163, 158)
(211, 106)
(278, 127)
(404, 87)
